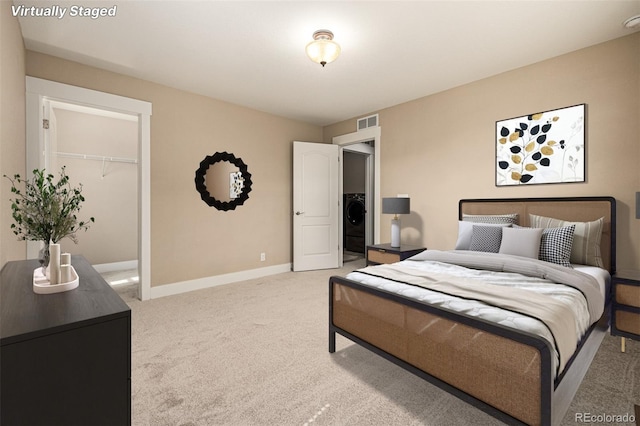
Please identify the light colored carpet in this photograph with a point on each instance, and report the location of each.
(350, 256)
(255, 353)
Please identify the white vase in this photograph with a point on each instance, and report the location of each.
(54, 264)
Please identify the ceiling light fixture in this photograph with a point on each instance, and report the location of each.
(633, 22)
(323, 49)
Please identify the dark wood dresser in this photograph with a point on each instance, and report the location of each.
(65, 358)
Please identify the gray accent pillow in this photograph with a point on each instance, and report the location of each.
(523, 242)
(486, 238)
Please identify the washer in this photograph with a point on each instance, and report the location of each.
(354, 223)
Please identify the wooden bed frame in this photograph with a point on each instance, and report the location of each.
(502, 371)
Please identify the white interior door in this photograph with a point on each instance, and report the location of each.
(316, 206)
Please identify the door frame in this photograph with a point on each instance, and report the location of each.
(39, 91)
(365, 135)
(367, 151)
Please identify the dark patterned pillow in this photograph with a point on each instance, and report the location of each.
(486, 238)
(465, 230)
(555, 245)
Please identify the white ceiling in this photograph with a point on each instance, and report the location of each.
(252, 53)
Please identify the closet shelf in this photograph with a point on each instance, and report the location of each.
(97, 157)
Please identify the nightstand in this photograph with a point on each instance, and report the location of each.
(625, 318)
(384, 253)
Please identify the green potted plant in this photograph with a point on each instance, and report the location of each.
(46, 210)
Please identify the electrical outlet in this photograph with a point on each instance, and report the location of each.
(263, 257)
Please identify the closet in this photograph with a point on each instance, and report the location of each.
(99, 150)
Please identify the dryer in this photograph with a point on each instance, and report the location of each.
(354, 222)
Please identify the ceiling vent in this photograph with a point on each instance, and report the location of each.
(366, 122)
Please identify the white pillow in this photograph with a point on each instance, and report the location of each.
(521, 242)
(465, 230)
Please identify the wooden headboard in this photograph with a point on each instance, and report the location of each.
(575, 209)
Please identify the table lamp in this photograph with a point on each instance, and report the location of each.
(395, 206)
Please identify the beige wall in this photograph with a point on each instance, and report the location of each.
(446, 138)
(189, 239)
(12, 126)
(441, 148)
(112, 198)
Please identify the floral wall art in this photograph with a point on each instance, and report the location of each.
(236, 184)
(546, 147)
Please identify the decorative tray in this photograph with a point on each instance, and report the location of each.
(41, 283)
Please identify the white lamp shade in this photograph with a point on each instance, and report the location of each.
(323, 49)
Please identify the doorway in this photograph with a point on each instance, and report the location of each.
(365, 144)
(41, 94)
(321, 174)
(356, 196)
(99, 149)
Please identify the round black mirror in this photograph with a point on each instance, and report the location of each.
(223, 181)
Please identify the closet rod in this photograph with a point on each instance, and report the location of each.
(97, 157)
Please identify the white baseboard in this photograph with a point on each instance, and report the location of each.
(216, 280)
(116, 266)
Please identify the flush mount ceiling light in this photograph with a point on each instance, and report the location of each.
(323, 49)
(633, 22)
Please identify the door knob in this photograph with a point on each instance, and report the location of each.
(299, 213)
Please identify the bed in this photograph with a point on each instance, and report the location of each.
(518, 374)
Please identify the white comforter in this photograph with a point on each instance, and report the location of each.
(585, 311)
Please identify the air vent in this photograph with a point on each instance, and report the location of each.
(366, 122)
